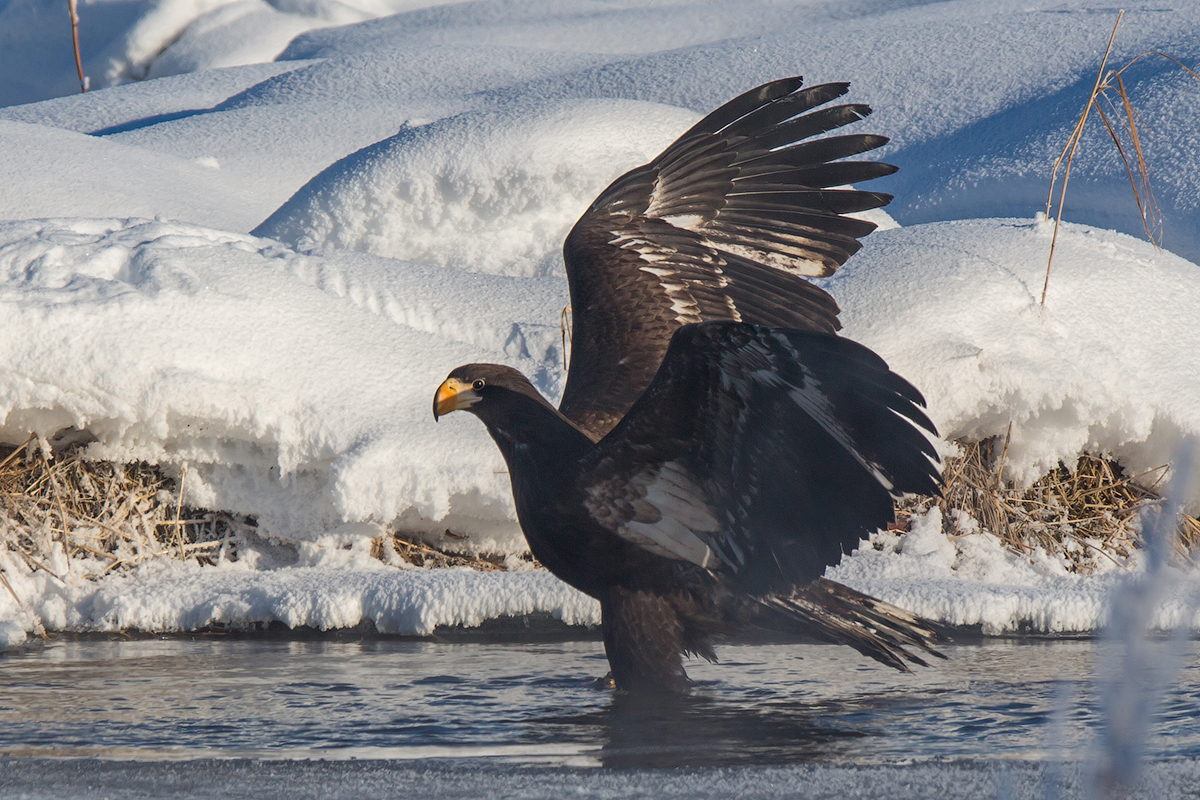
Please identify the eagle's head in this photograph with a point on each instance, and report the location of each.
(482, 389)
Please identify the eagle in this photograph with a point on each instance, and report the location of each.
(717, 445)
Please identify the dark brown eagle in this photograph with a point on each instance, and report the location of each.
(717, 445)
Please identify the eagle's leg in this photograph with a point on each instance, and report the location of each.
(643, 638)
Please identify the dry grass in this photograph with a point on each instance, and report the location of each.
(422, 554)
(1123, 125)
(1084, 516)
(92, 511)
(107, 517)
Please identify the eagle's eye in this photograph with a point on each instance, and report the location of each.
(478, 384)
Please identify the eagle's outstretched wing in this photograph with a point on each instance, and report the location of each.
(761, 454)
(726, 223)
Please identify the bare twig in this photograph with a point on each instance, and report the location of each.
(1069, 153)
(73, 5)
(1139, 179)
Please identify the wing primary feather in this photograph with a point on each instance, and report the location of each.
(743, 104)
(782, 145)
(746, 210)
(818, 176)
(811, 124)
(830, 201)
(774, 113)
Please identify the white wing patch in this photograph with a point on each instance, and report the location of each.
(667, 515)
(691, 222)
(658, 263)
(682, 303)
(793, 260)
(684, 306)
(659, 203)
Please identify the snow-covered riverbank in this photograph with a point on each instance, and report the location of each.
(209, 270)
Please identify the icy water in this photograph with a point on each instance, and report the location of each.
(539, 704)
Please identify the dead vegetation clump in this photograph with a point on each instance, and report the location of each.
(65, 515)
(100, 515)
(1084, 516)
(413, 550)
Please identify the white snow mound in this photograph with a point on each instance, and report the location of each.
(491, 191)
(309, 411)
(955, 308)
(328, 588)
(976, 581)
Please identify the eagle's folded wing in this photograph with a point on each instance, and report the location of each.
(761, 454)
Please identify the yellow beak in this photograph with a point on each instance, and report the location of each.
(453, 395)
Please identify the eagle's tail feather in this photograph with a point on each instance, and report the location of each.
(835, 613)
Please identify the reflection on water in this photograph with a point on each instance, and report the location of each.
(635, 732)
(764, 704)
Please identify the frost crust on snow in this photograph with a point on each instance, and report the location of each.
(329, 588)
(975, 581)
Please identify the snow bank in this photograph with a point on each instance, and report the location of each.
(978, 96)
(492, 191)
(122, 41)
(971, 141)
(310, 411)
(120, 180)
(976, 581)
(327, 588)
(1103, 367)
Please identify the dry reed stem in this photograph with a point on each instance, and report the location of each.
(1148, 209)
(179, 510)
(73, 7)
(422, 554)
(1069, 153)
